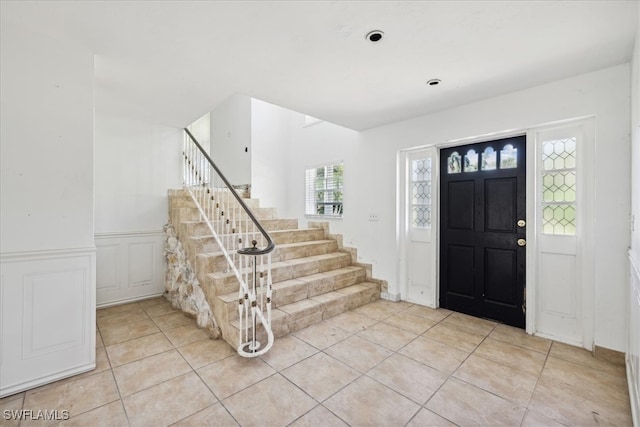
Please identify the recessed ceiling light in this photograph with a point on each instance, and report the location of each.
(433, 82)
(374, 36)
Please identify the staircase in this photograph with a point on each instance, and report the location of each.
(313, 277)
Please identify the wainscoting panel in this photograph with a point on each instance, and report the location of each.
(633, 352)
(47, 320)
(130, 266)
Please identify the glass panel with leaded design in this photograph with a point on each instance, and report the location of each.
(508, 157)
(454, 164)
(559, 186)
(489, 159)
(471, 161)
(421, 193)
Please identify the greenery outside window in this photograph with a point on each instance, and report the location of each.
(324, 190)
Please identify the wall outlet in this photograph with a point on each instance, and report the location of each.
(373, 217)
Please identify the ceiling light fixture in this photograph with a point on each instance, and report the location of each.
(374, 36)
(434, 82)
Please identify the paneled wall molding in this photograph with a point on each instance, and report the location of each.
(633, 340)
(46, 254)
(130, 266)
(47, 316)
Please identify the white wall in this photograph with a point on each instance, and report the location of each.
(370, 174)
(633, 338)
(136, 163)
(47, 255)
(46, 193)
(230, 135)
(271, 128)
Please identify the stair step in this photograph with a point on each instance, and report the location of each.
(226, 282)
(200, 228)
(216, 261)
(294, 290)
(207, 243)
(298, 315)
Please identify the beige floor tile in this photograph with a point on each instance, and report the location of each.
(12, 406)
(99, 342)
(128, 331)
(230, 375)
(455, 336)
(412, 379)
(149, 371)
(319, 416)
(511, 355)
(77, 396)
(215, 415)
(359, 353)
(426, 418)
(466, 405)
(201, 353)
(117, 309)
(274, 402)
(320, 375)
(160, 309)
(535, 419)
(110, 415)
(520, 338)
(410, 322)
(381, 309)
(593, 384)
(388, 336)
(585, 358)
(117, 320)
(351, 321)
(287, 351)
(322, 335)
(508, 383)
(366, 402)
(173, 320)
(151, 301)
(168, 402)
(568, 405)
(435, 354)
(136, 349)
(434, 314)
(474, 324)
(186, 334)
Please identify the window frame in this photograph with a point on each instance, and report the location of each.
(331, 185)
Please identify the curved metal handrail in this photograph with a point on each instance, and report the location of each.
(270, 245)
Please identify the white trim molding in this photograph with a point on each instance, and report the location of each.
(47, 316)
(130, 266)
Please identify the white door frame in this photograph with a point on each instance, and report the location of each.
(533, 222)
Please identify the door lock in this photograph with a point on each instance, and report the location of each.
(521, 223)
(522, 242)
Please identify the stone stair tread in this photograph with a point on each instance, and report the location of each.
(279, 246)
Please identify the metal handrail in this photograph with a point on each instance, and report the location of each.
(270, 245)
(200, 182)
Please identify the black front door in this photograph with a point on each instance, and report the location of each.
(482, 246)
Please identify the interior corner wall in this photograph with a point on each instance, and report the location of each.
(231, 138)
(370, 174)
(271, 157)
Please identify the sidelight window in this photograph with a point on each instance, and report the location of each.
(421, 193)
(559, 186)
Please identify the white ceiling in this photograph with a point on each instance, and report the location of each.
(171, 61)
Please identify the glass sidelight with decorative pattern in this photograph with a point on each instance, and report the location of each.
(420, 185)
(559, 186)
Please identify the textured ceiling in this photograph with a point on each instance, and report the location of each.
(171, 61)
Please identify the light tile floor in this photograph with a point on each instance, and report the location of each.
(383, 364)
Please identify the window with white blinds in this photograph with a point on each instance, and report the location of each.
(324, 190)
